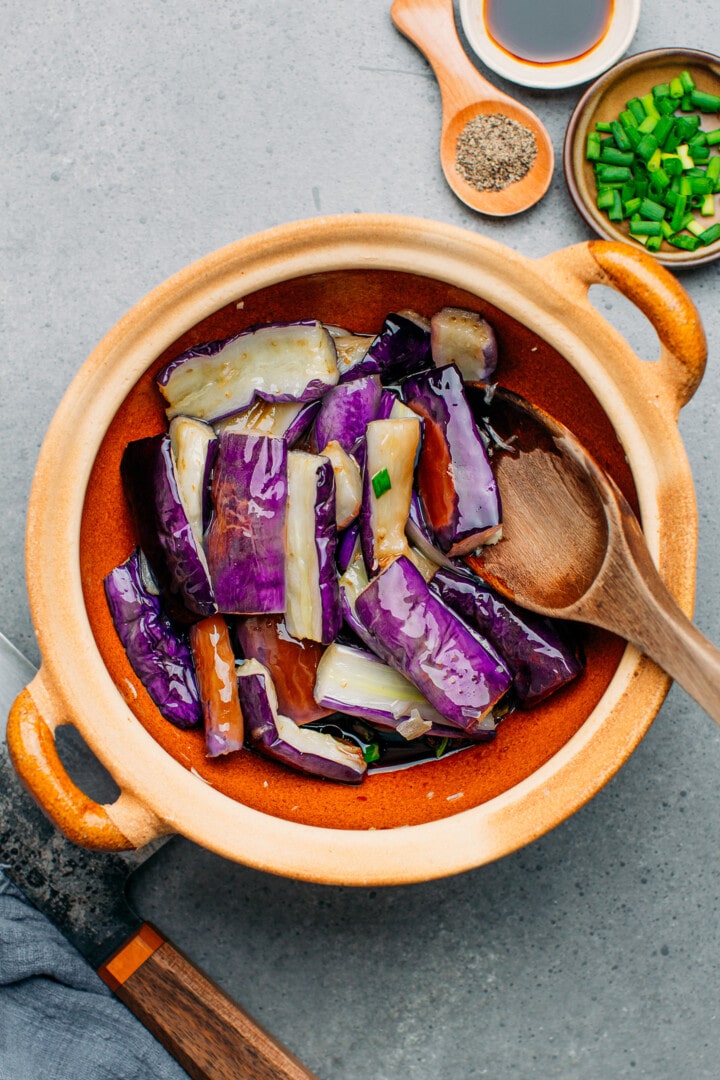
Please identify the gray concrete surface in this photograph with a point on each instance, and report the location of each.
(136, 137)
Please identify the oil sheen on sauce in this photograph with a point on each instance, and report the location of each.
(547, 31)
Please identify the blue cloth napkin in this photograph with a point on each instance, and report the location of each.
(58, 1020)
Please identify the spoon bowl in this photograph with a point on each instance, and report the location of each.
(430, 25)
(572, 548)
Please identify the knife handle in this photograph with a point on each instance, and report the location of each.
(204, 1030)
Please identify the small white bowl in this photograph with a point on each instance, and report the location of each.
(615, 42)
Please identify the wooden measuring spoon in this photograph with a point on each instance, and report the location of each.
(572, 548)
(430, 25)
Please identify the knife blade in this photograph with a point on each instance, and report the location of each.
(83, 893)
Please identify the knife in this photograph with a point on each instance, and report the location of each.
(83, 893)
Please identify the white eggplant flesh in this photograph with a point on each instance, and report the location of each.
(291, 362)
(312, 598)
(348, 484)
(190, 442)
(391, 449)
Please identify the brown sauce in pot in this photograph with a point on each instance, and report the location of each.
(358, 300)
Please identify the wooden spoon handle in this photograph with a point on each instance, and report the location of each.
(204, 1030)
(634, 602)
(430, 25)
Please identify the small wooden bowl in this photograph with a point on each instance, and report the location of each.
(604, 101)
(433, 819)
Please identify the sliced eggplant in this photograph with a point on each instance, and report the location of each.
(164, 530)
(194, 445)
(275, 736)
(214, 663)
(246, 539)
(159, 654)
(348, 484)
(533, 648)
(312, 599)
(288, 420)
(387, 489)
(454, 478)
(465, 339)
(292, 664)
(345, 412)
(417, 634)
(401, 348)
(281, 362)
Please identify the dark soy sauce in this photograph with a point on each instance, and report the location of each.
(547, 31)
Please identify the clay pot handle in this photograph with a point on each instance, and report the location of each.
(660, 297)
(31, 743)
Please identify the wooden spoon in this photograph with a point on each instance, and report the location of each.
(430, 25)
(572, 548)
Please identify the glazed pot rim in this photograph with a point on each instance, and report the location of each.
(162, 796)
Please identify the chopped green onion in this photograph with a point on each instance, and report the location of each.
(371, 752)
(592, 150)
(627, 119)
(678, 213)
(686, 81)
(706, 103)
(636, 108)
(610, 155)
(654, 243)
(707, 209)
(688, 243)
(648, 103)
(615, 212)
(646, 147)
(638, 227)
(631, 206)
(687, 162)
(609, 174)
(619, 135)
(662, 90)
(651, 210)
(442, 747)
(381, 482)
(672, 164)
(676, 88)
(711, 234)
(605, 199)
(649, 124)
(712, 138)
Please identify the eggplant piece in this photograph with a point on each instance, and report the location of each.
(246, 539)
(281, 362)
(214, 663)
(348, 484)
(465, 339)
(420, 534)
(292, 664)
(194, 445)
(533, 648)
(392, 408)
(353, 681)
(312, 599)
(454, 478)
(351, 350)
(158, 653)
(345, 412)
(348, 546)
(387, 489)
(276, 736)
(288, 420)
(162, 527)
(430, 645)
(401, 348)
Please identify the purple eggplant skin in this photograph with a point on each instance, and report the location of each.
(454, 477)
(312, 609)
(345, 412)
(279, 362)
(432, 647)
(246, 540)
(533, 648)
(401, 348)
(347, 546)
(277, 737)
(163, 530)
(158, 653)
(465, 339)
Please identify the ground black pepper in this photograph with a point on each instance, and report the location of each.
(493, 151)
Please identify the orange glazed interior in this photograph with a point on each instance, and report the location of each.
(357, 300)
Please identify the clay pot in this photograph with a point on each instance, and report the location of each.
(437, 818)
